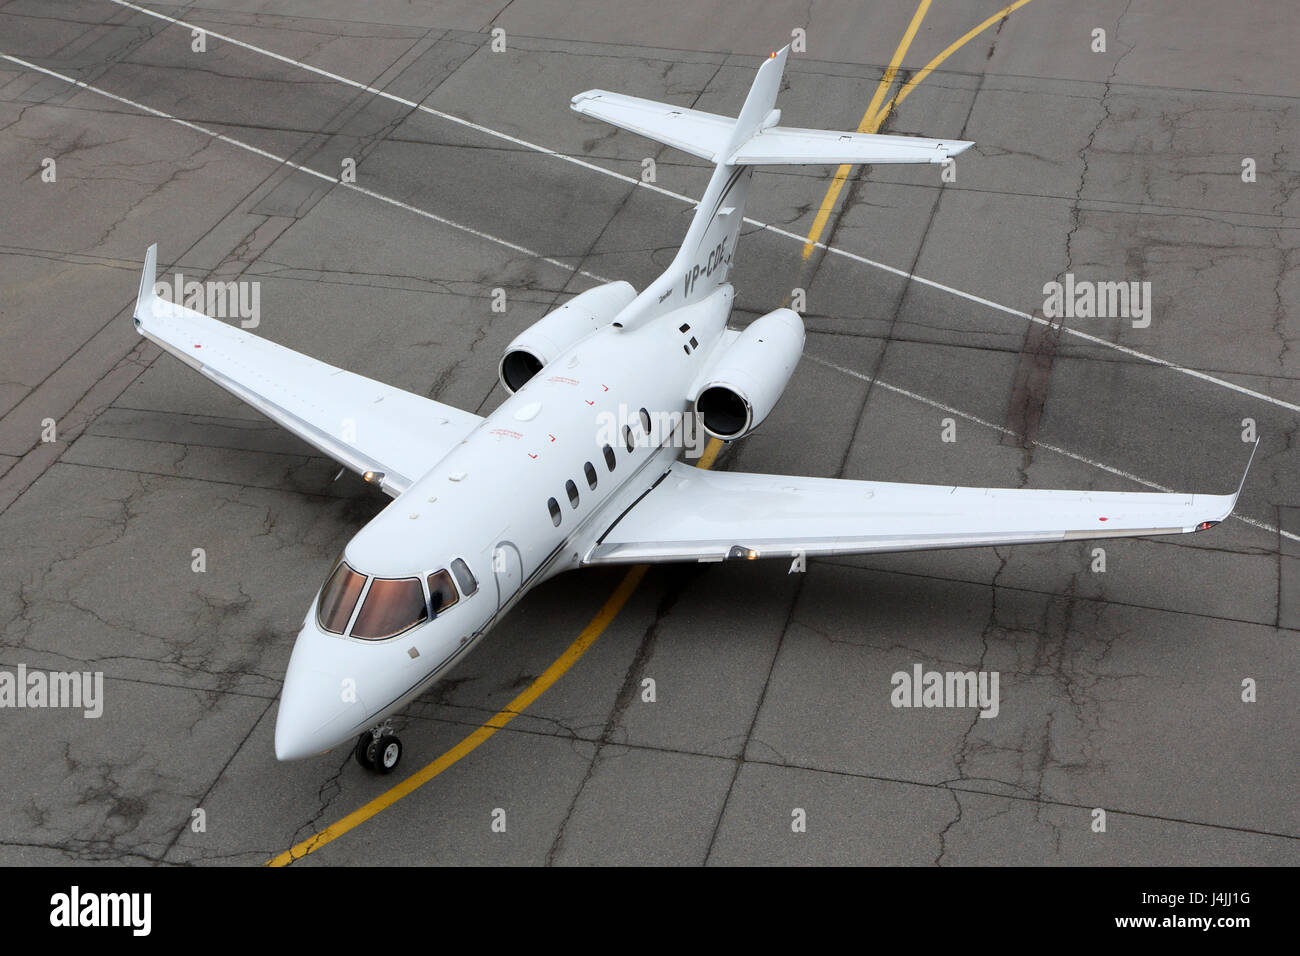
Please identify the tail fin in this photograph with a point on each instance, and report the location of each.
(760, 105)
(737, 145)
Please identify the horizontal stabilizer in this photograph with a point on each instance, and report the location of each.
(787, 146)
(692, 131)
(708, 136)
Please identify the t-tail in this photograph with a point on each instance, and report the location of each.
(737, 145)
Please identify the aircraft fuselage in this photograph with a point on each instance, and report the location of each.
(521, 499)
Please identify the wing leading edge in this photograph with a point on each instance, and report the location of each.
(692, 514)
(389, 436)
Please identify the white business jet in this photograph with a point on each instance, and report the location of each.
(489, 507)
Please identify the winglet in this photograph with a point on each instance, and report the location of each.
(1230, 501)
(1249, 461)
(148, 276)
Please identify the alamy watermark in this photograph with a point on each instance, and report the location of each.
(1084, 299)
(645, 428)
(922, 688)
(43, 689)
(221, 300)
(75, 908)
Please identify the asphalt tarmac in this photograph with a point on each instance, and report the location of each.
(772, 738)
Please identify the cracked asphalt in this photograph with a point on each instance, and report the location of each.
(1120, 690)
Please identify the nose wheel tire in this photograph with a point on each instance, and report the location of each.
(366, 749)
(377, 751)
(388, 752)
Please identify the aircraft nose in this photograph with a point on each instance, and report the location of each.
(320, 704)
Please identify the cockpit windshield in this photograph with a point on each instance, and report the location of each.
(338, 598)
(392, 605)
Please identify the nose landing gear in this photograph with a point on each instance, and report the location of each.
(378, 749)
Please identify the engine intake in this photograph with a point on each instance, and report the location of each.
(743, 384)
(542, 341)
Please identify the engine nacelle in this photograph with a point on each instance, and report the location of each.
(743, 384)
(556, 331)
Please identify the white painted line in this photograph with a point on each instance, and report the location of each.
(410, 104)
(334, 180)
(1039, 320)
(566, 266)
(776, 230)
(1127, 475)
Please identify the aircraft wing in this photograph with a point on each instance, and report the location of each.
(692, 514)
(389, 436)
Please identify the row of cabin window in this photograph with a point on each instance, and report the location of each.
(589, 470)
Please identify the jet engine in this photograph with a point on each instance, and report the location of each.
(556, 331)
(742, 385)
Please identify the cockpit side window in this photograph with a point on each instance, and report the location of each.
(392, 605)
(442, 593)
(338, 598)
(464, 577)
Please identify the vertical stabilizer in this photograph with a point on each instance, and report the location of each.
(760, 102)
(704, 261)
(707, 252)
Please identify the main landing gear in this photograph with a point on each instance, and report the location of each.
(378, 749)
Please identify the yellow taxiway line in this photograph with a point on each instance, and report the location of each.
(949, 51)
(871, 121)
